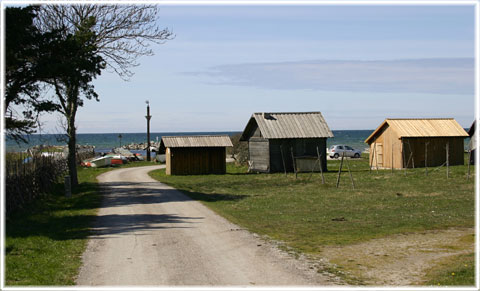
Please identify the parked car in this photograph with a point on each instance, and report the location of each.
(336, 151)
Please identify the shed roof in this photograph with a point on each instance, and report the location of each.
(189, 141)
(422, 127)
(471, 130)
(277, 125)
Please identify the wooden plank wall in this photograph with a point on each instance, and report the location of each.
(386, 141)
(196, 161)
(258, 151)
(436, 154)
(301, 147)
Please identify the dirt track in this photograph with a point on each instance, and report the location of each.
(150, 234)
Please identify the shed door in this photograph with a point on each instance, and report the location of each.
(379, 154)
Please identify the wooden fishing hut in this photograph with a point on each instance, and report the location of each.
(412, 143)
(286, 141)
(195, 155)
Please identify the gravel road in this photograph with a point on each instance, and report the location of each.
(148, 233)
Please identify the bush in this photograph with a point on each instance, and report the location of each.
(239, 151)
(26, 179)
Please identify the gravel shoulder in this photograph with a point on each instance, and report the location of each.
(148, 233)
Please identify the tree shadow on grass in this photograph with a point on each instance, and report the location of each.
(214, 197)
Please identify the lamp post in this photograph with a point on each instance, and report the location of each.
(148, 130)
(120, 138)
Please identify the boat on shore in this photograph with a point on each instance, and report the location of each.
(97, 162)
(117, 159)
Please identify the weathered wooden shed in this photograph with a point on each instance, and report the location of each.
(275, 140)
(409, 143)
(195, 155)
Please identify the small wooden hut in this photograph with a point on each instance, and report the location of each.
(286, 141)
(409, 143)
(195, 155)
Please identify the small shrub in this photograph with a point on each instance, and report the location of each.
(239, 151)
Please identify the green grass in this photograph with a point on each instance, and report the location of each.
(308, 215)
(453, 271)
(44, 241)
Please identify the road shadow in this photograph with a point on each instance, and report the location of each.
(77, 226)
(112, 224)
(129, 193)
(113, 194)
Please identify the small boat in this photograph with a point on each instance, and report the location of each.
(101, 162)
(117, 159)
(139, 157)
(87, 163)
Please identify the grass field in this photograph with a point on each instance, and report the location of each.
(308, 215)
(455, 271)
(44, 242)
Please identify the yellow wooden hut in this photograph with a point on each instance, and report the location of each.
(194, 155)
(410, 143)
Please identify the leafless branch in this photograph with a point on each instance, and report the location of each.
(124, 32)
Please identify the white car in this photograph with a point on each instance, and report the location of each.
(337, 151)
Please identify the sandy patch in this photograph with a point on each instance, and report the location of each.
(399, 260)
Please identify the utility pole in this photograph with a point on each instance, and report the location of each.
(148, 130)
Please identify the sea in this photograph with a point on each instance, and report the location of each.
(105, 142)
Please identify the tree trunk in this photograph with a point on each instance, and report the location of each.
(72, 105)
(72, 152)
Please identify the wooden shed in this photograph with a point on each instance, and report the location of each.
(276, 140)
(409, 143)
(194, 155)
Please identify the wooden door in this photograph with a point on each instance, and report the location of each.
(379, 154)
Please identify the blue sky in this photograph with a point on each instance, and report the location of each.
(356, 64)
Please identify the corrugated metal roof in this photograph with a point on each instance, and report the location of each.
(423, 127)
(292, 125)
(196, 141)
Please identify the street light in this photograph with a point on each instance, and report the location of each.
(120, 138)
(148, 129)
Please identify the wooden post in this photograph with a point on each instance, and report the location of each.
(350, 173)
(340, 169)
(293, 161)
(391, 161)
(469, 157)
(411, 155)
(375, 156)
(372, 155)
(320, 165)
(283, 161)
(148, 117)
(403, 157)
(426, 158)
(447, 160)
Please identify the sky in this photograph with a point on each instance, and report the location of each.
(356, 64)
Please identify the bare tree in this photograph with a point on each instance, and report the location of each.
(122, 34)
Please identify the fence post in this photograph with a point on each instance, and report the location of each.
(68, 186)
(447, 150)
